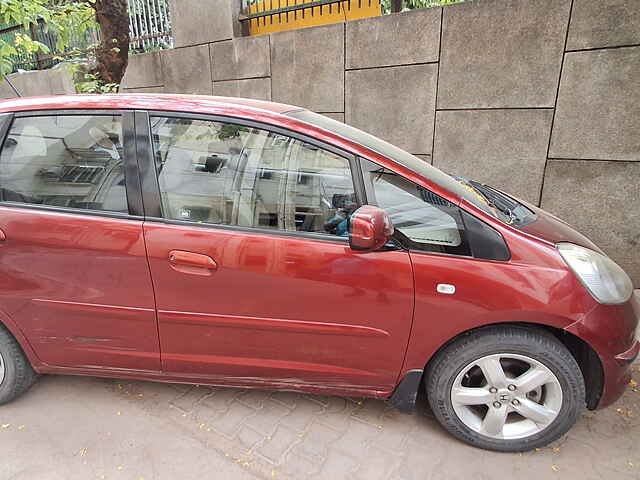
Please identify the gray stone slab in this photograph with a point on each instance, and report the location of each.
(397, 39)
(55, 81)
(307, 67)
(602, 200)
(604, 23)
(6, 91)
(187, 70)
(503, 148)
(194, 22)
(598, 113)
(339, 116)
(394, 103)
(246, 57)
(502, 53)
(143, 70)
(256, 88)
(60, 79)
(30, 84)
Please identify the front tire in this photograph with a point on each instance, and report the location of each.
(16, 373)
(506, 388)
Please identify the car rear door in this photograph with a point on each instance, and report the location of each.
(73, 269)
(254, 280)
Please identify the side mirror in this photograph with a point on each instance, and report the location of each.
(369, 229)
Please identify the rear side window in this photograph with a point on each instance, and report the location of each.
(72, 161)
(227, 174)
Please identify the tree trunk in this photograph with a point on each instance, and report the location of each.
(112, 54)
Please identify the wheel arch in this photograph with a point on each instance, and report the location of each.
(16, 332)
(584, 354)
(412, 381)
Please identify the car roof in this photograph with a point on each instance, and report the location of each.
(276, 114)
(146, 101)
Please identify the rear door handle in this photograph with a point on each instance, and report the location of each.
(194, 263)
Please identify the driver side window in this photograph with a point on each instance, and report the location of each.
(221, 173)
(424, 220)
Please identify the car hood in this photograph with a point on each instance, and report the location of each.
(546, 227)
(550, 228)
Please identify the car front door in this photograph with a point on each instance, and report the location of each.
(254, 280)
(73, 269)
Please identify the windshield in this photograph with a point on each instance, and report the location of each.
(482, 196)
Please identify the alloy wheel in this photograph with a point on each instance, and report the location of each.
(506, 396)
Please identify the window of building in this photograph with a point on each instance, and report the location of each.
(72, 161)
(229, 174)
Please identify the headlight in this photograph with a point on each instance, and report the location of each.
(604, 279)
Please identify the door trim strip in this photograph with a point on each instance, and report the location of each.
(262, 323)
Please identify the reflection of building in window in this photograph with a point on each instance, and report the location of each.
(67, 161)
(262, 179)
(416, 212)
(84, 181)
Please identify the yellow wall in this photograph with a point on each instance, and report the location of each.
(308, 17)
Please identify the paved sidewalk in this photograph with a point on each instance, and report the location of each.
(86, 428)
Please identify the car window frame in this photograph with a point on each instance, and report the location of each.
(400, 238)
(151, 188)
(471, 237)
(132, 180)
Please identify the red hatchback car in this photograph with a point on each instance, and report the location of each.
(234, 242)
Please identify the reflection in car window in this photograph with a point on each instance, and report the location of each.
(65, 161)
(392, 152)
(425, 220)
(228, 174)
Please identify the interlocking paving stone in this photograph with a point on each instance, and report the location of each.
(268, 418)
(338, 412)
(276, 446)
(304, 413)
(358, 438)
(254, 398)
(307, 441)
(233, 420)
(187, 401)
(378, 466)
(249, 438)
(338, 466)
(316, 441)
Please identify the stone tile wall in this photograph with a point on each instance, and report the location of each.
(538, 97)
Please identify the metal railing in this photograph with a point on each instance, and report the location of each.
(269, 16)
(263, 12)
(149, 25)
(38, 61)
(267, 8)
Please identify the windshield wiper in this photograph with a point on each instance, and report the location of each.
(494, 201)
(497, 201)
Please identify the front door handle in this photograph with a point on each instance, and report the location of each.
(193, 263)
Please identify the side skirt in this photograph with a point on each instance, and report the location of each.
(221, 381)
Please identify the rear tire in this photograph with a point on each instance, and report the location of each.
(16, 373)
(478, 390)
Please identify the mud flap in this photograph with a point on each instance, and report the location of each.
(404, 396)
